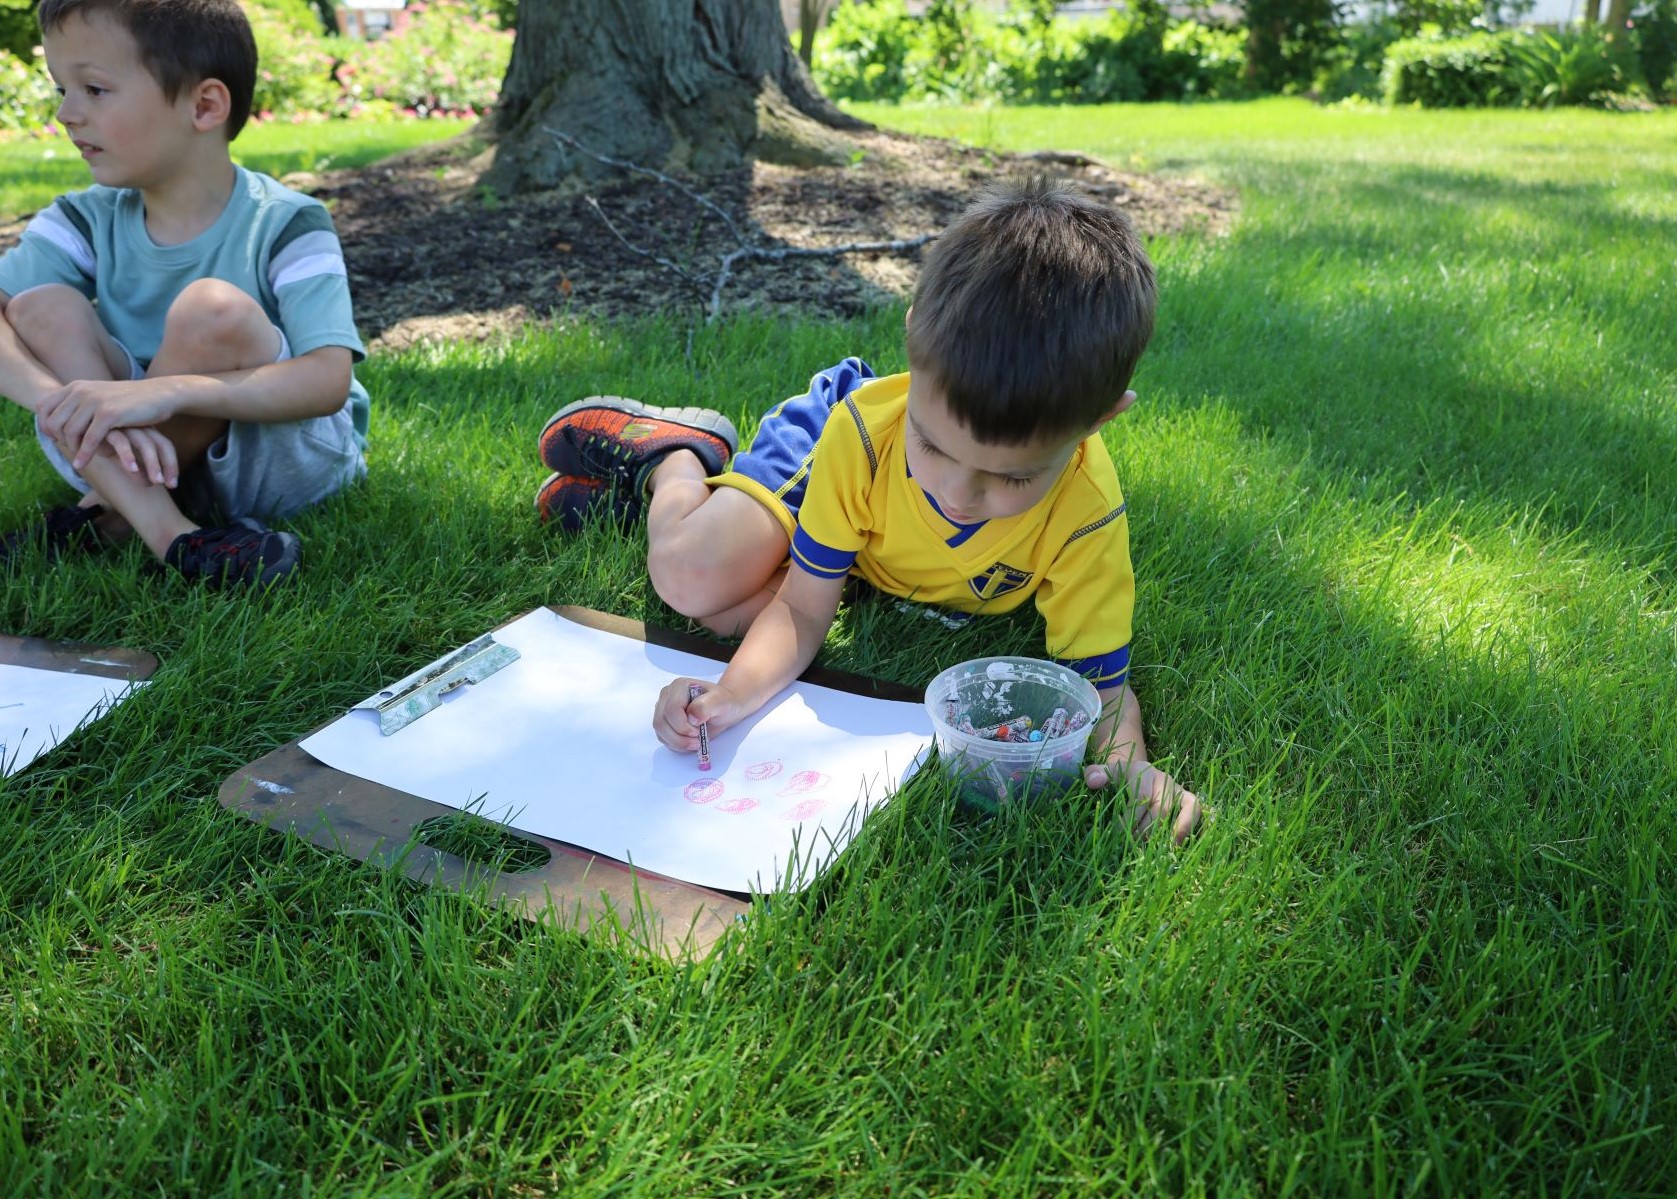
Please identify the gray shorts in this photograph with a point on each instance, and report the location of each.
(266, 471)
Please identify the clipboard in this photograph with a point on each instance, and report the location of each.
(77, 657)
(288, 790)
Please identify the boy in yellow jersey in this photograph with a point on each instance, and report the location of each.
(975, 482)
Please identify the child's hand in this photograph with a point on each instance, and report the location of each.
(81, 415)
(677, 718)
(144, 451)
(1158, 797)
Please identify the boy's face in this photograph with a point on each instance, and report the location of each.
(972, 481)
(114, 110)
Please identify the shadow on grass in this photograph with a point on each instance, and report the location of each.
(1405, 896)
(1497, 377)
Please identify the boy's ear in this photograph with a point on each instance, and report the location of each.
(1123, 404)
(212, 104)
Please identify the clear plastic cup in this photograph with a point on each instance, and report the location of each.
(990, 691)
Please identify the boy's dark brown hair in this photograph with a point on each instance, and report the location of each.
(1031, 311)
(182, 43)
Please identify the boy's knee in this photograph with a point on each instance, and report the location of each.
(44, 314)
(214, 317)
(687, 581)
(670, 571)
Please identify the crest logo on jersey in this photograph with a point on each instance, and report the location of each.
(999, 580)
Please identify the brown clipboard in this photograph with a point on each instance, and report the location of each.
(77, 657)
(288, 790)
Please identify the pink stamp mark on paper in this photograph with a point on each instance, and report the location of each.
(763, 770)
(702, 790)
(803, 811)
(805, 781)
(734, 807)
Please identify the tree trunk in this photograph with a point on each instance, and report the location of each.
(1618, 12)
(697, 85)
(1591, 14)
(810, 15)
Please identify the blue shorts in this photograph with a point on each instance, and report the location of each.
(775, 470)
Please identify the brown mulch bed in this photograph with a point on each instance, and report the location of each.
(433, 257)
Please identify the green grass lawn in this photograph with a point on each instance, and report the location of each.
(35, 169)
(1401, 490)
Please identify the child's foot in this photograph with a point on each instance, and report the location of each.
(567, 499)
(619, 441)
(61, 530)
(243, 553)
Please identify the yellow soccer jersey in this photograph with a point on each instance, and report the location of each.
(863, 514)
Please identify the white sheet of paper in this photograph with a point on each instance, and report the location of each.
(40, 708)
(560, 744)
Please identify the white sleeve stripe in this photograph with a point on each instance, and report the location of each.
(51, 227)
(308, 268)
(320, 242)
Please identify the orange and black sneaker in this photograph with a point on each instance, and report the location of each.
(566, 499)
(619, 441)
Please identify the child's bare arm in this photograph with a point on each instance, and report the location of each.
(780, 644)
(25, 380)
(1158, 796)
(84, 412)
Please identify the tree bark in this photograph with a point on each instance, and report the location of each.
(695, 85)
(810, 15)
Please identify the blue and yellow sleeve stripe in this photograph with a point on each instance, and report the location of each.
(822, 561)
(1103, 670)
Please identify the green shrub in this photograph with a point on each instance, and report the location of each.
(1213, 59)
(1536, 70)
(1575, 67)
(1289, 41)
(27, 98)
(862, 54)
(1123, 59)
(1353, 67)
(1655, 30)
(1460, 72)
(876, 51)
(19, 33)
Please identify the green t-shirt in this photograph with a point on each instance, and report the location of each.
(276, 245)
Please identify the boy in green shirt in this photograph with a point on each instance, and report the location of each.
(181, 331)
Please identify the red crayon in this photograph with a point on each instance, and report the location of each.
(693, 693)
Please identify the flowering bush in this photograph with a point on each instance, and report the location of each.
(448, 61)
(27, 98)
(294, 65)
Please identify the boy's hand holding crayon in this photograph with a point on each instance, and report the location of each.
(685, 706)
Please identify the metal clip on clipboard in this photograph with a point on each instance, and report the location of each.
(406, 700)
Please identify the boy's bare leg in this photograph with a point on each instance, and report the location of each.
(211, 328)
(714, 554)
